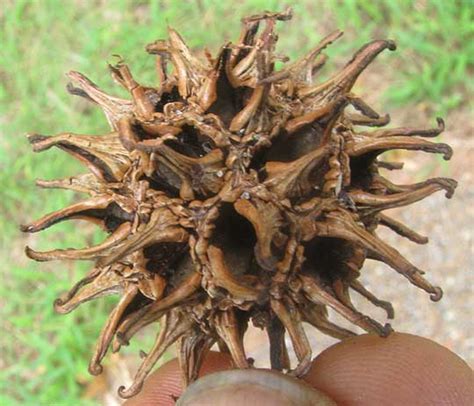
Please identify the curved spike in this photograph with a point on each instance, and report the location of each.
(375, 202)
(127, 329)
(161, 64)
(246, 114)
(391, 166)
(161, 227)
(279, 358)
(341, 291)
(316, 293)
(193, 68)
(141, 240)
(240, 50)
(162, 52)
(187, 288)
(387, 306)
(449, 185)
(344, 80)
(207, 93)
(174, 326)
(129, 138)
(382, 144)
(302, 69)
(108, 331)
(361, 106)
(317, 316)
(188, 69)
(291, 320)
(86, 183)
(104, 155)
(101, 282)
(90, 253)
(402, 229)
(142, 103)
(290, 179)
(257, 63)
(320, 115)
(223, 277)
(114, 108)
(228, 329)
(91, 276)
(152, 312)
(415, 277)
(193, 348)
(78, 210)
(177, 42)
(409, 132)
(319, 62)
(158, 47)
(358, 119)
(184, 82)
(285, 15)
(340, 224)
(240, 66)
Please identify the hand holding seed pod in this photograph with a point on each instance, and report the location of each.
(233, 193)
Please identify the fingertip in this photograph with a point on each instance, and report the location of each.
(164, 385)
(399, 369)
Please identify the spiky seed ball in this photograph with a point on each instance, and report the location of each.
(235, 193)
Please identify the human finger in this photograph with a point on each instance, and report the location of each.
(401, 369)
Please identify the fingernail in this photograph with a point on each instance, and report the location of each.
(252, 387)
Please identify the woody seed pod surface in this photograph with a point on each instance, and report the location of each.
(233, 193)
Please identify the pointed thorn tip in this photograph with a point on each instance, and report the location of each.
(25, 228)
(391, 45)
(441, 124)
(35, 138)
(437, 294)
(95, 369)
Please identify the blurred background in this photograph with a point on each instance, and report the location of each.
(44, 356)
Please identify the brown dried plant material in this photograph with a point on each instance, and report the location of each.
(234, 193)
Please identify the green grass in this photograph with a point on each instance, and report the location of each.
(44, 356)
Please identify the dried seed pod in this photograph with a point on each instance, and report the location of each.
(234, 193)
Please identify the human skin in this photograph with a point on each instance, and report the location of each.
(401, 369)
